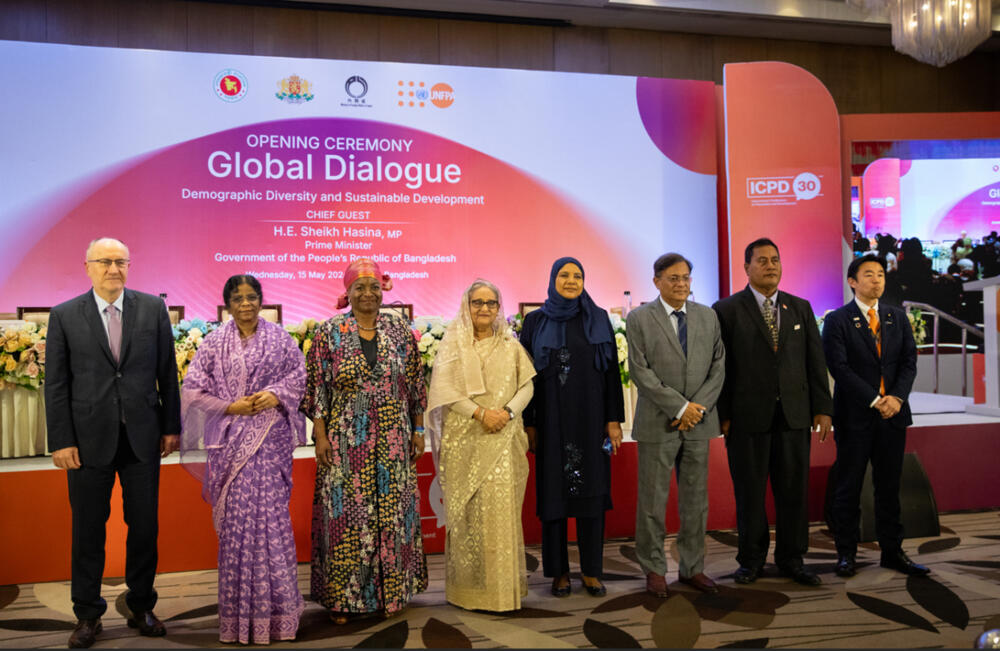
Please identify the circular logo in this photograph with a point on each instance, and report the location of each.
(442, 95)
(890, 202)
(806, 186)
(230, 85)
(422, 94)
(356, 86)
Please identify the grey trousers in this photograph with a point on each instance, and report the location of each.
(656, 463)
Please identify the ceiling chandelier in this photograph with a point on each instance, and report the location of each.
(934, 31)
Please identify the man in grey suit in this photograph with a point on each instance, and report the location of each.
(677, 361)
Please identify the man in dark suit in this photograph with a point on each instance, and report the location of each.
(873, 359)
(677, 361)
(113, 408)
(776, 388)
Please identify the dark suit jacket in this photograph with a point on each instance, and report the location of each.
(757, 376)
(856, 367)
(667, 378)
(86, 392)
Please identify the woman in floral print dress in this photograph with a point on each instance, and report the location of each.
(365, 393)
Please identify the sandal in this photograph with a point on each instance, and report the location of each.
(339, 618)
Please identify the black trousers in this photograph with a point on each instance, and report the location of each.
(90, 499)
(589, 541)
(883, 445)
(781, 454)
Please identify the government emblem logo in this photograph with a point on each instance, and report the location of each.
(230, 85)
(294, 90)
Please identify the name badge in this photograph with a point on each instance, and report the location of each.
(797, 326)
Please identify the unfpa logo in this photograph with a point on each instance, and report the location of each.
(415, 94)
(442, 95)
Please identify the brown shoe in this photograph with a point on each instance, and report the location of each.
(85, 633)
(656, 585)
(148, 624)
(700, 582)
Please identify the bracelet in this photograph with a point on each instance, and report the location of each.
(509, 411)
(419, 430)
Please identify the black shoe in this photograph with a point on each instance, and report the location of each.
(560, 591)
(902, 563)
(746, 575)
(85, 633)
(802, 575)
(148, 624)
(845, 565)
(596, 590)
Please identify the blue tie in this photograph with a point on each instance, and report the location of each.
(682, 330)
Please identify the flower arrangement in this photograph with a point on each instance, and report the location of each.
(22, 356)
(918, 324)
(516, 322)
(429, 331)
(303, 333)
(621, 343)
(188, 335)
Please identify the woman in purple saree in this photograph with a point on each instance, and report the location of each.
(240, 403)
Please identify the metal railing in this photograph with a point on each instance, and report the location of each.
(966, 329)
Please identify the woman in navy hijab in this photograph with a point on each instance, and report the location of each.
(577, 405)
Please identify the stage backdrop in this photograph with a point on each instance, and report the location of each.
(783, 170)
(208, 165)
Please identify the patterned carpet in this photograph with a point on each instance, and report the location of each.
(878, 608)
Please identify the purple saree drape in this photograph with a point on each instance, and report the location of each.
(247, 474)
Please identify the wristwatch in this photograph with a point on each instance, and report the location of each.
(509, 411)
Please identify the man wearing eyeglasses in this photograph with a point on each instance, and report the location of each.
(113, 408)
(677, 361)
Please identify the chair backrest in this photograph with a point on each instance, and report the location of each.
(404, 310)
(269, 312)
(38, 315)
(525, 308)
(176, 313)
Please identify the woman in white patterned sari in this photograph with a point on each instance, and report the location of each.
(480, 384)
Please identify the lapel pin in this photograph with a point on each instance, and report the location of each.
(784, 307)
(797, 326)
(857, 325)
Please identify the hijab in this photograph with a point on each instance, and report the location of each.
(557, 310)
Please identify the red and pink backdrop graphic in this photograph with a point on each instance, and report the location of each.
(783, 171)
(202, 186)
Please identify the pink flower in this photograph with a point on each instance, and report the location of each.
(32, 370)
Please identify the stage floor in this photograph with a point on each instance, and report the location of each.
(878, 608)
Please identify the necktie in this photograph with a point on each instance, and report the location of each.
(114, 330)
(768, 312)
(682, 330)
(873, 324)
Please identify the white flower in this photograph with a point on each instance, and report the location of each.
(195, 334)
(437, 330)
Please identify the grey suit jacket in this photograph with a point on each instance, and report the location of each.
(666, 378)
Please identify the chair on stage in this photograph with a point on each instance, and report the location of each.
(404, 310)
(268, 312)
(524, 308)
(39, 315)
(176, 313)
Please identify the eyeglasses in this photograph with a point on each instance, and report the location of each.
(249, 298)
(121, 263)
(477, 303)
(677, 280)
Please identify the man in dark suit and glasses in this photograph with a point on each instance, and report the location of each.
(873, 359)
(113, 408)
(776, 389)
